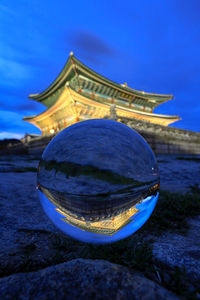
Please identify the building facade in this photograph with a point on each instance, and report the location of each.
(79, 93)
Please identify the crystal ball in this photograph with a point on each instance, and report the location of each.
(98, 181)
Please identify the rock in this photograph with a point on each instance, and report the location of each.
(29, 241)
(172, 250)
(178, 174)
(82, 279)
(19, 202)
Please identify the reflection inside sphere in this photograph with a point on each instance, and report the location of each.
(98, 181)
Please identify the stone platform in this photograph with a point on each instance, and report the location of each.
(162, 139)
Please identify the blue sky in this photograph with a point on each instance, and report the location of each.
(152, 45)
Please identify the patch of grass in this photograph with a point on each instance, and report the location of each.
(34, 158)
(172, 210)
(174, 279)
(27, 169)
(60, 243)
(141, 256)
(196, 159)
(195, 189)
(128, 252)
(26, 266)
(57, 257)
(178, 283)
(134, 253)
(28, 249)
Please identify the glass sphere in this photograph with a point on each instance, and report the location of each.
(98, 181)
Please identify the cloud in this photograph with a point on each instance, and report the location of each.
(90, 43)
(18, 103)
(29, 106)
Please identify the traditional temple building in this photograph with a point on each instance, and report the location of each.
(79, 93)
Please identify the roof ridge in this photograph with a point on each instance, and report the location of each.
(72, 59)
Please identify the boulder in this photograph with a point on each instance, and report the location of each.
(82, 279)
(182, 251)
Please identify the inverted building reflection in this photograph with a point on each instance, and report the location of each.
(108, 223)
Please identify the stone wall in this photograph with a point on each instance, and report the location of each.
(169, 140)
(37, 145)
(162, 139)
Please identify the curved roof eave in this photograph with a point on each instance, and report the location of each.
(60, 78)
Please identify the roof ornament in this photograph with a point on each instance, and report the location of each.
(71, 53)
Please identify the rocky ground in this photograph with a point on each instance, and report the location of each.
(160, 261)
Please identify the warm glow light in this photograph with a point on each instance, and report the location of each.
(51, 130)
